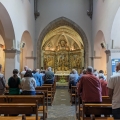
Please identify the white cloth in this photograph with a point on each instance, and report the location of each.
(114, 83)
(28, 84)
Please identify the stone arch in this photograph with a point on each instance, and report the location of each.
(99, 52)
(115, 31)
(27, 51)
(6, 27)
(62, 21)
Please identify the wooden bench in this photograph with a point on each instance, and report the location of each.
(28, 99)
(73, 94)
(19, 108)
(105, 100)
(40, 109)
(53, 87)
(50, 92)
(96, 109)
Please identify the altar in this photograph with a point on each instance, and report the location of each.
(62, 76)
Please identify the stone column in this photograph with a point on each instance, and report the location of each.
(108, 64)
(12, 61)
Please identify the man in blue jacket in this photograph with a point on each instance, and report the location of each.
(38, 77)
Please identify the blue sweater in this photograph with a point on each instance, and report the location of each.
(38, 79)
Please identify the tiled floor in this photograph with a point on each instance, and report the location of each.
(61, 109)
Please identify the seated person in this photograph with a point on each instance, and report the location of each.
(49, 76)
(73, 78)
(28, 84)
(38, 77)
(83, 73)
(14, 83)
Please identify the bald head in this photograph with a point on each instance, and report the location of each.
(118, 67)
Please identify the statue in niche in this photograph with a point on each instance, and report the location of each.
(48, 62)
(62, 63)
(45, 63)
(62, 45)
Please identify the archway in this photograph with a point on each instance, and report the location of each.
(62, 21)
(6, 27)
(26, 47)
(2, 54)
(99, 52)
(6, 36)
(115, 31)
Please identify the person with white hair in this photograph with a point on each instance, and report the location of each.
(24, 71)
(38, 77)
(73, 78)
(49, 76)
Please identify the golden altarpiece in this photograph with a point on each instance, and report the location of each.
(63, 55)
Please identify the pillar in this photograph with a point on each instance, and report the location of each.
(12, 61)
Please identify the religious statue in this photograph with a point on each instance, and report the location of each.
(62, 45)
(62, 64)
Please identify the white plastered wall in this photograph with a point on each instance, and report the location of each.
(75, 10)
(21, 13)
(104, 12)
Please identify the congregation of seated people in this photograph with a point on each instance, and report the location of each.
(26, 81)
(91, 85)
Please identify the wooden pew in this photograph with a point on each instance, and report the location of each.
(28, 99)
(50, 92)
(40, 109)
(96, 109)
(73, 94)
(105, 100)
(19, 108)
(53, 87)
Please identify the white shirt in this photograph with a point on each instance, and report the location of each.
(114, 83)
(28, 84)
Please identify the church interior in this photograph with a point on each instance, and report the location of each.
(63, 35)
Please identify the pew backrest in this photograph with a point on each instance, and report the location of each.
(19, 108)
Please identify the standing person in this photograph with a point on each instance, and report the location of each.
(103, 85)
(28, 84)
(2, 82)
(90, 87)
(38, 77)
(49, 76)
(14, 83)
(114, 92)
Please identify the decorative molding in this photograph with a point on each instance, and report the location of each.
(11, 51)
(96, 57)
(30, 57)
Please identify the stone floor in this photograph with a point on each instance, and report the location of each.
(61, 109)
